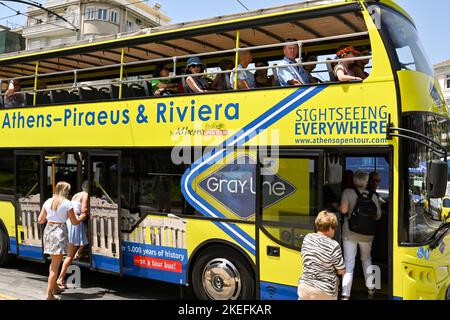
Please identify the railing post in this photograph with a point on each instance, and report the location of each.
(175, 65)
(236, 61)
(122, 54)
(36, 72)
(75, 78)
(300, 47)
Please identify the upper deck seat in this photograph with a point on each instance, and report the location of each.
(105, 93)
(28, 99)
(74, 96)
(137, 90)
(42, 98)
(148, 88)
(88, 94)
(126, 92)
(59, 96)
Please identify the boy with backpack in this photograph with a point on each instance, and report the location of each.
(362, 210)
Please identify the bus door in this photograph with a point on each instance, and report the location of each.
(104, 211)
(29, 199)
(289, 200)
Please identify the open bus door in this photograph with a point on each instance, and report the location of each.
(290, 189)
(104, 211)
(30, 196)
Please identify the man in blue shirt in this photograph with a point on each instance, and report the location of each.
(246, 79)
(291, 75)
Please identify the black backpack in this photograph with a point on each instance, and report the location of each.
(363, 218)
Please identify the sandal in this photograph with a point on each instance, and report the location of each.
(61, 284)
(53, 298)
(58, 290)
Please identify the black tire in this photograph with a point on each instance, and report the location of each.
(5, 257)
(212, 258)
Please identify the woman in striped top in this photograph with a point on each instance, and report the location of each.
(322, 261)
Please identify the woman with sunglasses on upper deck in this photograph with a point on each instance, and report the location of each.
(162, 87)
(195, 84)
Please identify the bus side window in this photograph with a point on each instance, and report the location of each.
(150, 185)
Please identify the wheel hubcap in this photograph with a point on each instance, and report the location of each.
(221, 280)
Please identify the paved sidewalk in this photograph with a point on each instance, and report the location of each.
(26, 280)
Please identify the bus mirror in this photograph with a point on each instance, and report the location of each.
(437, 178)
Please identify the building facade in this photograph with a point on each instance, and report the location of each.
(442, 71)
(88, 19)
(10, 41)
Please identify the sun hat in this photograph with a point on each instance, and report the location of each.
(193, 61)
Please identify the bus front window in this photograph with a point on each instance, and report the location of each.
(423, 213)
(405, 42)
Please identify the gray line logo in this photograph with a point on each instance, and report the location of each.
(234, 186)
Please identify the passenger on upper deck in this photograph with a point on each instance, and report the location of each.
(262, 79)
(291, 75)
(222, 80)
(12, 98)
(246, 80)
(342, 70)
(162, 87)
(358, 66)
(195, 84)
(310, 68)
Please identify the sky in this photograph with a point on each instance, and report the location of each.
(431, 17)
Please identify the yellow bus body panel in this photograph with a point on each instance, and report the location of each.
(7, 215)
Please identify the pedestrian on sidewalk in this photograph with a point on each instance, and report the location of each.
(55, 212)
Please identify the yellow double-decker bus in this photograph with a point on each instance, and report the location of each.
(216, 190)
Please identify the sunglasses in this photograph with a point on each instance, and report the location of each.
(378, 180)
(196, 66)
(165, 69)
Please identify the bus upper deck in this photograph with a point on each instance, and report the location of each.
(122, 68)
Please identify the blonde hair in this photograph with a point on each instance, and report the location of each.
(61, 193)
(84, 190)
(326, 220)
(360, 179)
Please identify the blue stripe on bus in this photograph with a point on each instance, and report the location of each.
(397, 298)
(105, 263)
(240, 138)
(12, 245)
(32, 252)
(276, 291)
(223, 226)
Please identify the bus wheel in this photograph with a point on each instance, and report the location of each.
(222, 274)
(5, 257)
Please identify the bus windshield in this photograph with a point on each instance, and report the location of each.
(424, 213)
(404, 39)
